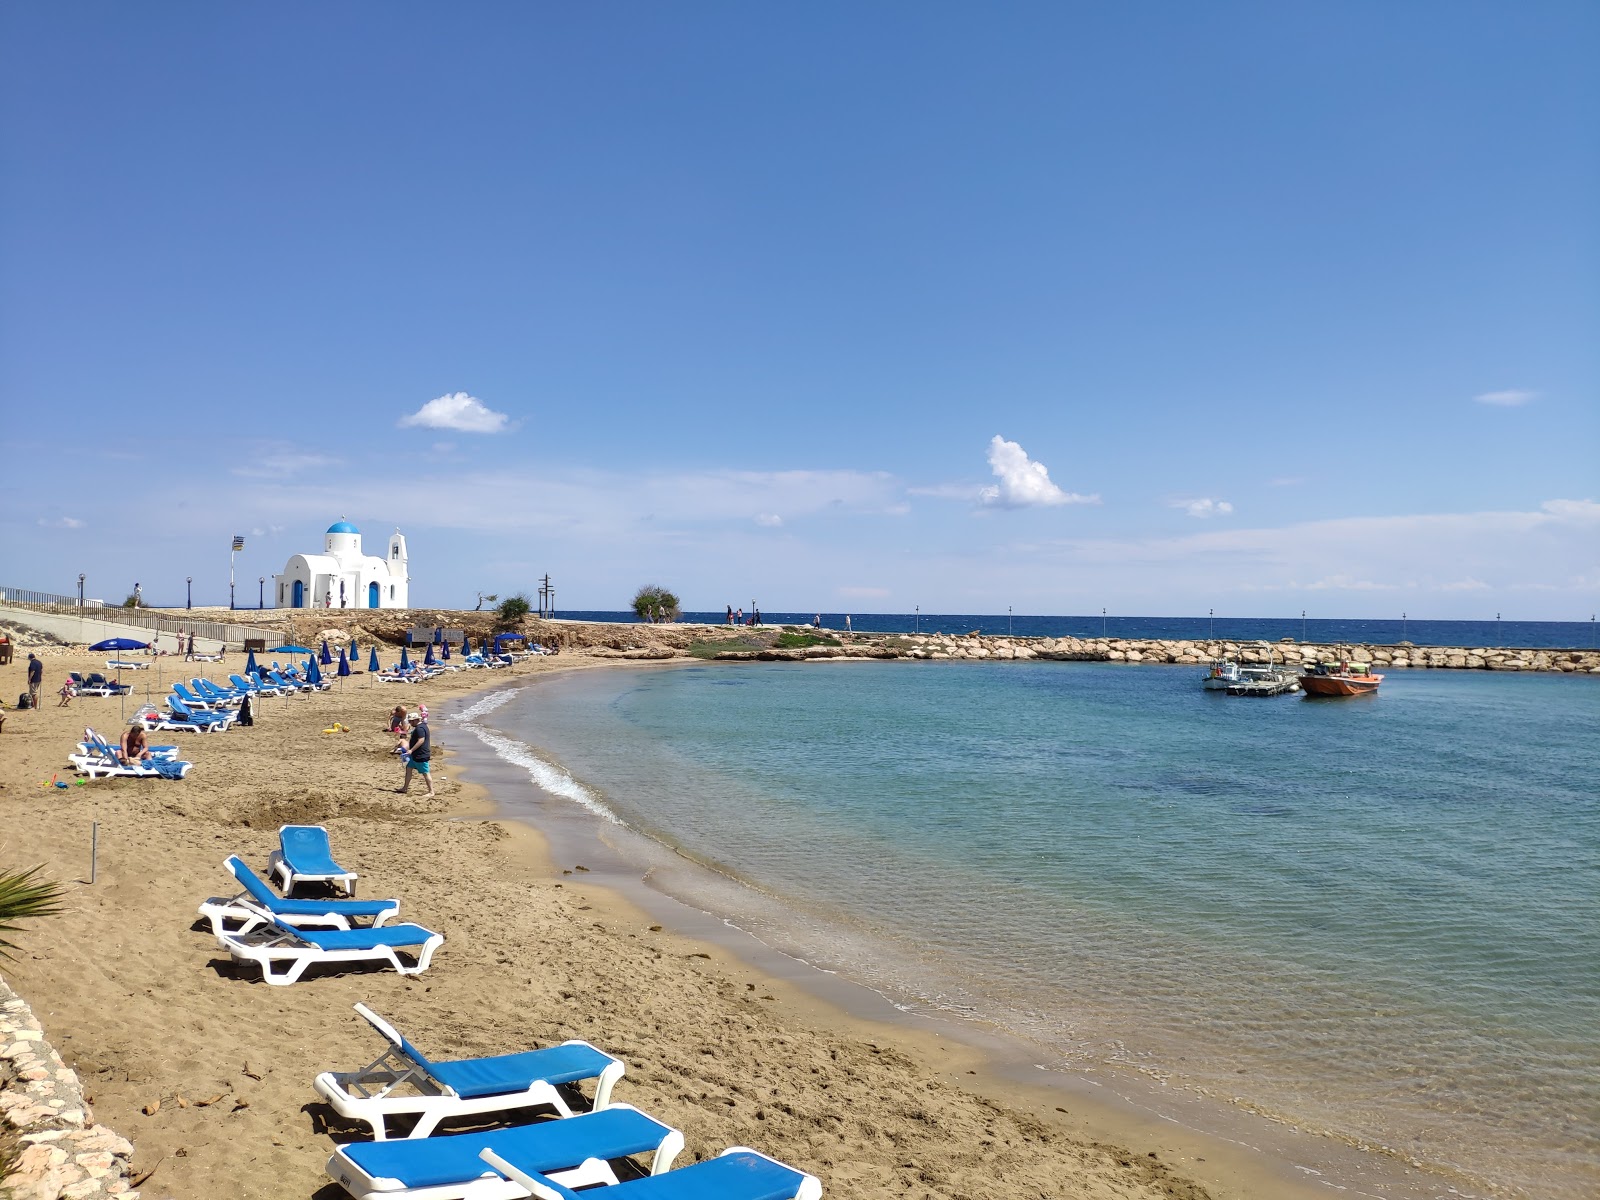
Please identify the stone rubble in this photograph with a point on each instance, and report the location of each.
(63, 1154)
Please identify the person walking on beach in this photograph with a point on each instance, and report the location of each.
(730, 614)
(418, 751)
(35, 680)
(847, 622)
(66, 693)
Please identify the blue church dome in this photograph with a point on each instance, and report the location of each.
(342, 527)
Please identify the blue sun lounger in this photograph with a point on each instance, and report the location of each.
(578, 1149)
(230, 915)
(402, 1082)
(280, 945)
(304, 856)
(736, 1174)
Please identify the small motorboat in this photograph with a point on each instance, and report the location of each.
(1343, 678)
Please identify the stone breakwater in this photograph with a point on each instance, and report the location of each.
(666, 642)
(45, 1118)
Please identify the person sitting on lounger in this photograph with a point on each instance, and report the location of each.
(134, 748)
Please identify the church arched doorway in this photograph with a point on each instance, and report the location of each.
(299, 594)
(372, 595)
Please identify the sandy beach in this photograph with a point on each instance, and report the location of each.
(150, 1012)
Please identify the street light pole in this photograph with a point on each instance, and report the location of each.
(261, 592)
(1302, 624)
(1499, 638)
(1402, 627)
(1102, 622)
(1212, 635)
(80, 589)
(188, 581)
(916, 621)
(1008, 620)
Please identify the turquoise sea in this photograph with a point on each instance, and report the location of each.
(1375, 918)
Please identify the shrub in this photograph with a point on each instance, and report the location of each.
(22, 897)
(655, 604)
(793, 639)
(512, 609)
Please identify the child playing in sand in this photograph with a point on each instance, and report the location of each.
(67, 693)
(397, 719)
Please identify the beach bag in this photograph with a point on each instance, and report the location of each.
(24, 701)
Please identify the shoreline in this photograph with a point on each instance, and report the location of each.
(147, 1010)
(1263, 1155)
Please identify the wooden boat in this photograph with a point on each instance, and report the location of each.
(1340, 679)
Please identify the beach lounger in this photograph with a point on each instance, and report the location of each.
(218, 721)
(211, 691)
(201, 703)
(284, 682)
(577, 1149)
(403, 1082)
(101, 760)
(231, 915)
(96, 684)
(153, 719)
(304, 856)
(283, 952)
(737, 1174)
(116, 664)
(254, 685)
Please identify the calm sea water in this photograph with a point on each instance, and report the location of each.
(1378, 917)
(1568, 635)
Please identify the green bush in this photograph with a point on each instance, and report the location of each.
(792, 639)
(512, 609)
(656, 605)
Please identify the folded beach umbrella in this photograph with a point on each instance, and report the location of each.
(372, 661)
(445, 653)
(120, 643)
(428, 659)
(313, 672)
(327, 658)
(405, 663)
(438, 634)
(344, 664)
(354, 650)
(250, 667)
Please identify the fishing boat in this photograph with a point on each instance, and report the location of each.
(1343, 678)
(1237, 679)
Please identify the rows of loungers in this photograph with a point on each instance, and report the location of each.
(579, 1137)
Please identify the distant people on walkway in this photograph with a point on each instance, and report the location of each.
(730, 614)
(738, 615)
(816, 621)
(189, 651)
(35, 679)
(847, 622)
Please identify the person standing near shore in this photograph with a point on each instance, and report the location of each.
(418, 752)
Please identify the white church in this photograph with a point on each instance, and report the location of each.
(343, 577)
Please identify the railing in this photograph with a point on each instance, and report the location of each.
(68, 606)
(23, 598)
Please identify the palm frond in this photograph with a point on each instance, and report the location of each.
(24, 897)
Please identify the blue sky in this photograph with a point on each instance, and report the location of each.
(1295, 305)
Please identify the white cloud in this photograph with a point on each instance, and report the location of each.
(1204, 507)
(279, 464)
(61, 523)
(769, 520)
(1510, 398)
(1023, 482)
(458, 411)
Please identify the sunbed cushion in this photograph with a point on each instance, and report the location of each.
(737, 1176)
(305, 849)
(476, 1077)
(549, 1145)
(362, 939)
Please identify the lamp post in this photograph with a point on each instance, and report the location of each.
(916, 620)
(1008, 620)
(1102, 622)
(1499, 638)
(80, 589)
(261, 592)
(1302, 624)
(188, 582)
(1212, 632)
(1402, 627)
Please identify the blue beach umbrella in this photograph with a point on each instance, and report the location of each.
(427, 659)
(290, 650)
(438, 634)
(445, 653)
(313, 672)
(355, 651)
(405, 663)
(344, 665)
(250, 667)
(327, 659)
(120, 643)
(372, 660)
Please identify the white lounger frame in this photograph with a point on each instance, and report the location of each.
(369, 1095)
(270, 946)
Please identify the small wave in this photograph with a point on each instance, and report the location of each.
(545, 775)
(485, 705)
